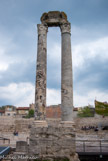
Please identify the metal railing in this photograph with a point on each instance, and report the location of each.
(81, 145)
(92, 146)
(4, 141)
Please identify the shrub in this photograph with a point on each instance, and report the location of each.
(86, 112)
(30, 114)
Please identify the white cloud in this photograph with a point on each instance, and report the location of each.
(81, 54)
(6, 45)
(12, 53)
(3, 63)
(53, 97)
(3, 66)
(54, 54)
(21, 94)
(88, 98)
(86, 51)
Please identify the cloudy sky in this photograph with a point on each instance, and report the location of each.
(18, 50)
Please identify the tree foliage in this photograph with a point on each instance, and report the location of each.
(86, 112)
(30, 114)
(101, 108)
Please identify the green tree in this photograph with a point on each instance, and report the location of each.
(31, 113)
(86, 112)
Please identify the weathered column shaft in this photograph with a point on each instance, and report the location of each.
(40, 91)
(66, 84)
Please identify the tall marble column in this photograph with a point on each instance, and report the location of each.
(40, 91)
(66, 78)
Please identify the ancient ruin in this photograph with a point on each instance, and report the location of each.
(51, 19)
(53, 141)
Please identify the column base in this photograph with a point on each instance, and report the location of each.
(67, 124)
(39, 123)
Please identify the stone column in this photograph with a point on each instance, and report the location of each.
(40, 91)
(66, 78)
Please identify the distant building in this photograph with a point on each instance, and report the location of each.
(22, 111)
(75, 112)
(10, 110)
(2, 112)
(53, 111)
(32, 106)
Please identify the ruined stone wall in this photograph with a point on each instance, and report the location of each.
(91, 134)
(9, 124)
(91, 121)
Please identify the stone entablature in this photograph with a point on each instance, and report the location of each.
(54, 18)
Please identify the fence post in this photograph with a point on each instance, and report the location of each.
(100, 146)
(84, 146)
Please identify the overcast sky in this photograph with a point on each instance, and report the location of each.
(18, 50)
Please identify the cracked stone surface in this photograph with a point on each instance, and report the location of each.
(51, 142)
(40, 91)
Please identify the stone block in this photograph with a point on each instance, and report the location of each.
(53, 141)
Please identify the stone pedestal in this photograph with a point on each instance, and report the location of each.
(21, 153)
(53, 142)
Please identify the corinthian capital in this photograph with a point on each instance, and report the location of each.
(42, 29)
(65, 27)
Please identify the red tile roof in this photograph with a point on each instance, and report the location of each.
(2, 111)
(22, 108)
(75, 109)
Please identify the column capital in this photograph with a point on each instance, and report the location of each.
(42, 29)
(65, 28)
